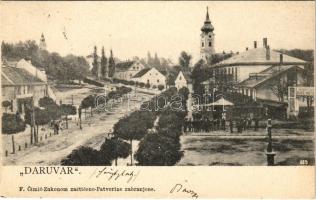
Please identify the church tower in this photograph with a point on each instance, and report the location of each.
(207, 39)
(42, 44)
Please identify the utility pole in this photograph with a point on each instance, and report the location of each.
(270, 154)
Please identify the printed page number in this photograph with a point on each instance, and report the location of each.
(303, 162)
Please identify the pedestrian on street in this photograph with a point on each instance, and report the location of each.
(231, 126)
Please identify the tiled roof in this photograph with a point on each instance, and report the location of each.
(124, 65)
(258, 56)
(141, 72)
(18, 76)
(257, 79)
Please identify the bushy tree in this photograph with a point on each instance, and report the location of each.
(6, 104)
(184, 60)
(12, 123)
(114, 148)
(46, 102)
(85, 156)
(68, 109)
(158, 150)
(134, 126)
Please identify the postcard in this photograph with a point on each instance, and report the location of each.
(161, 99)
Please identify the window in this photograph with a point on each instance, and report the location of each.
(210, 44)
(202, 44)
(210, 36)
(180, 78)
(157, 80)
(149, 74)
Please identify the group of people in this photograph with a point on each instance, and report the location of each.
(207, 125)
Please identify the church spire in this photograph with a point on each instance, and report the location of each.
(42, 44)
(207, 16)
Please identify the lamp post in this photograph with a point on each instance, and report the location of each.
(270, 154)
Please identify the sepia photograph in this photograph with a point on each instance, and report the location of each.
(157, 83)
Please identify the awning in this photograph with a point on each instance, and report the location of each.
(220, 102)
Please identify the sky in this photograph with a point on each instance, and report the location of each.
(167, 28)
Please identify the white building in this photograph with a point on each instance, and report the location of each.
(126, 70)
(184, 80)
(255, 60)
(151, 76)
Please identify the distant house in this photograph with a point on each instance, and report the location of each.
(126, 70)
(184, 80)
(151, 76)
(19, 86)
(254, 60)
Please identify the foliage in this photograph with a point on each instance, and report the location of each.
(185, 59)
(103, 63)
(95, 64)
(88, 102)
(58, 68)
(6, 104)
(147, 85)
(111, 65)
(158, 150)
(161, 87)
(114, 148)
(85, 156)
(68, 109)
(93, 82)
(12, 123)
(46, 102)
(134, 126)
(141, 84)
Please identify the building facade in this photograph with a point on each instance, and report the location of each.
(255, 60)
(126, 70)
(151, 76)
(20, 87)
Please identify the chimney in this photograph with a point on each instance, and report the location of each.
(281, 58)
(268, 52)
(265, 42)
(255, 44)
(246, 48)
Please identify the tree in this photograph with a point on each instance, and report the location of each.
(156, 61)
(111, 65)
(11, 124)
(6, 104)
(158, 150)
(68, 109)
(114, 148)
(150, 60)
(88, 102)
(184, 60)
(85, 156)
(103, 63)
(46, 102)
(134, 127)
(198, 75)
(95, 63)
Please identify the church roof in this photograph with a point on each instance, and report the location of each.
(207, 27)
(257, 79)
(257, 56)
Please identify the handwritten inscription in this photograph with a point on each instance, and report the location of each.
(180, 188)
(116, 174)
